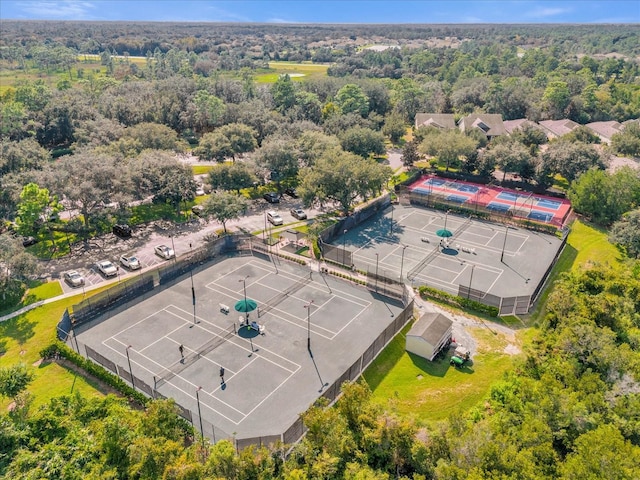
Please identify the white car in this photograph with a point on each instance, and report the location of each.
(107, 268)
(200, 191)
(132, 263)
(274, 217)
(164, 252)
(74, 279)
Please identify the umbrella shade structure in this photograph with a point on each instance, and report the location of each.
(444, 233)
(246, 305)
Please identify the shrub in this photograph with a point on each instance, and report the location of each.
(458, 301)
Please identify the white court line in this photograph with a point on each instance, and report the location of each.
(166, 335)
(136, 323)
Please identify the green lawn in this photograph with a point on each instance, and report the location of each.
(37, 291)
(201, 169)
(298, 71)
(21, 340)
(430, 391)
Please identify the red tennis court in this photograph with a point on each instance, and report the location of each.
(526, 205)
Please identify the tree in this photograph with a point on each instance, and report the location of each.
(394, 127)
(23, 155)
(209, 110)
(556, 98)
(511, 157)
(160, 174)
(342, 177)
(448, 146)
(242, 138)
(604, 197)
(284, 93)
(35, 208)
(628, 141)
(231, 176)
(626, 233)
(311, 145)
(570, 159)
(223, 207)
(214, 146)
(279, 156)
(363, 142)
(410, 154)
(14, 379)
(351, 99)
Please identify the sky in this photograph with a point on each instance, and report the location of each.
(328, 11)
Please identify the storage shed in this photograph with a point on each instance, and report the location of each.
(430, 334)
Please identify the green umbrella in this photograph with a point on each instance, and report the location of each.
(443, 232)
(246, 305)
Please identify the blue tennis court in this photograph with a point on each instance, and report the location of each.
(542, 216)
(457, 198)
(423, 191)
(435, 181)
(510, 197)
(467, 188)
(499, 207)
(550, 204)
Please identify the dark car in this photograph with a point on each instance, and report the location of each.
(271, 197)
(28, 241)
(291, 192)
(123, 231)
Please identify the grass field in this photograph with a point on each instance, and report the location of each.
(21, 340)
(429, 391)
(37, 291)
(298, 71)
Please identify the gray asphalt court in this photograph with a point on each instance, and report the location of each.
(269, 377)
(492, 258)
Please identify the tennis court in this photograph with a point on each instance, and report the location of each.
(487, 258)
(270, 376)
(521, 204)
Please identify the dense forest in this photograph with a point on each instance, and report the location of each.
(86, 126)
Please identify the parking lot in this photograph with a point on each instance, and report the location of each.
(145, 237)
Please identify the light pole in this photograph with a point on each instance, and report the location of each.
(402, 260)
(470, 280)
(193, 290)
(377, 258)
(200, 417)
(244, 289)
(118, 270)
(506, 230)
(308, 307)
(391, 226)
(446, 214)
(133, 383)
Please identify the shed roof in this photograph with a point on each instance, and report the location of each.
(605, 129)
(431, 327)
(559, 127)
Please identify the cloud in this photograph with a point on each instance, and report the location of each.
(64, 9)
(217, 14)
(280, 20)
(544, 12)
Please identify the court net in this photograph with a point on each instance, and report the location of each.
(275, 301)
(192, 357)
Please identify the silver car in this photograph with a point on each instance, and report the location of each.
(74, 279)
(165, 252)
(132, 263)
(107, 268)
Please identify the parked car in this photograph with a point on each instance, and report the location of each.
(74, 279)
(200, 191)
(271, 197)
(274, 217)
(164, 252)
(122, 230)
(291, 192)
(197, 210)
(299, 213)
(107, 268)
(28, 241)
(132, 263)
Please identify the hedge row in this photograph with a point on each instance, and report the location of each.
(458, 301)
(59, 348)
